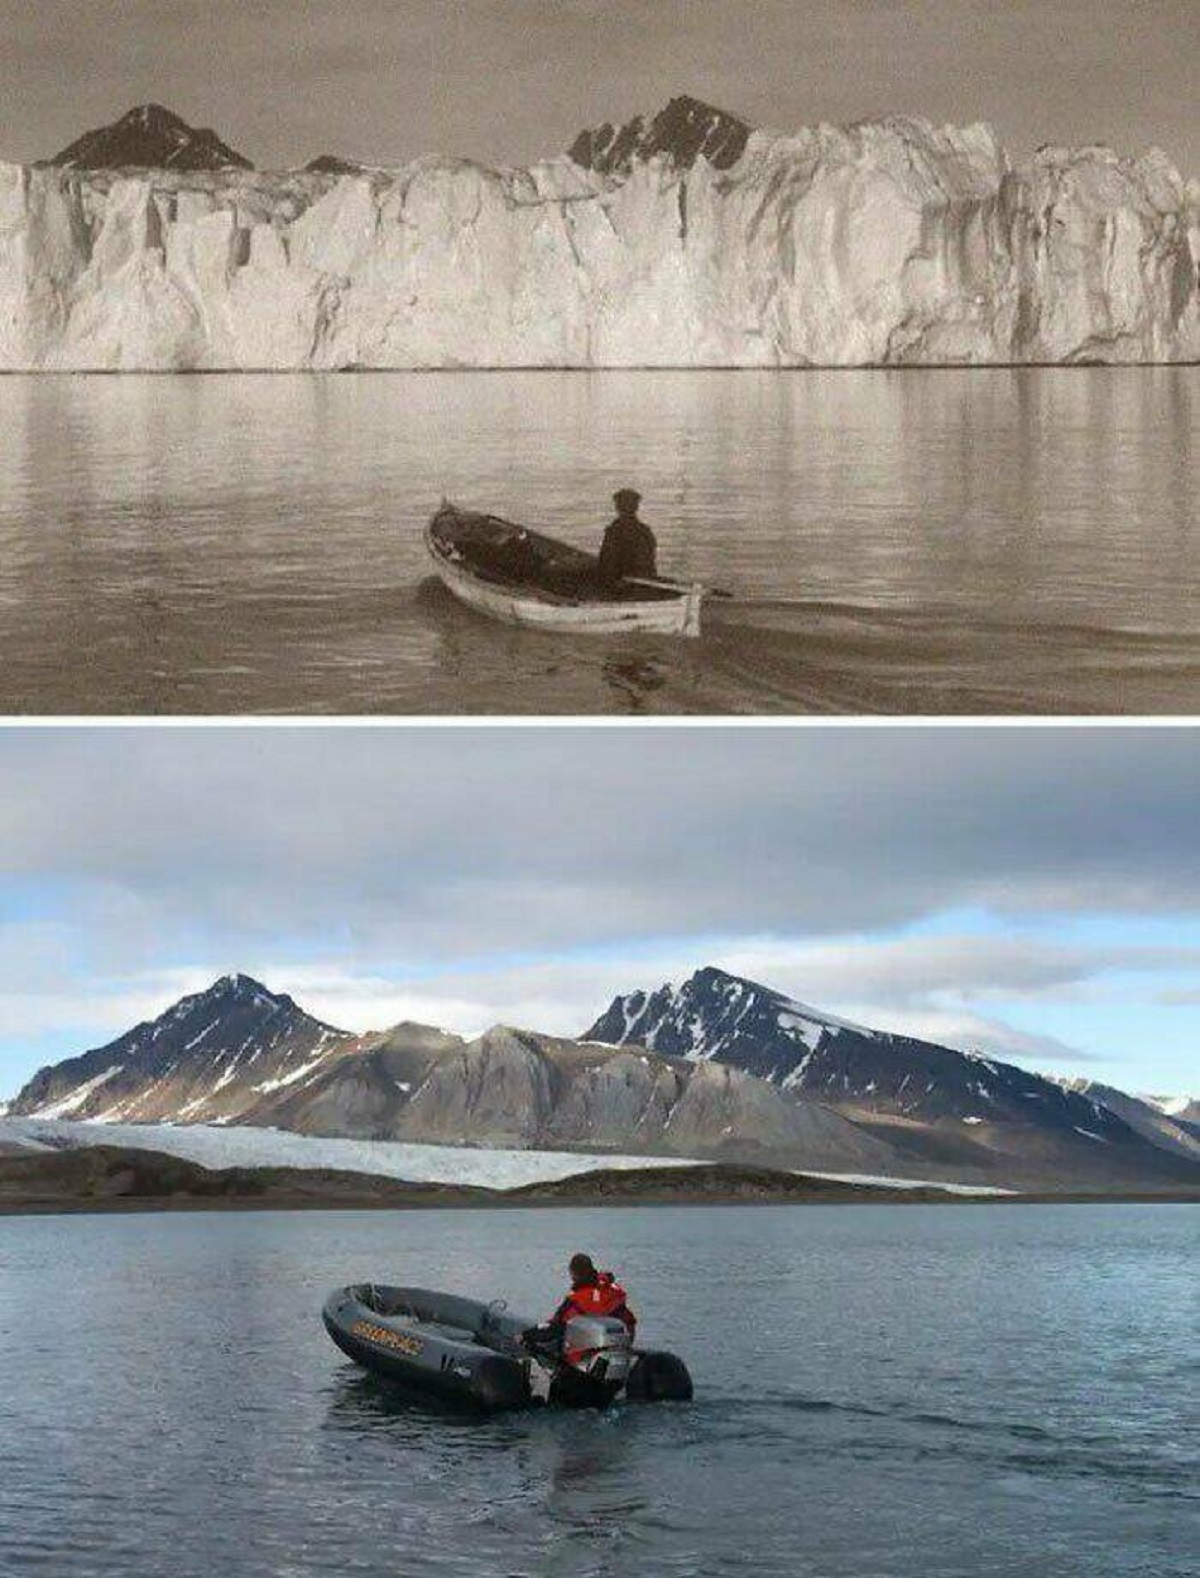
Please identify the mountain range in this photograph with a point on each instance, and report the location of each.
(238, 1052)
(681, 238)
(1184, 1109)
(719, 1068)
(151, 137)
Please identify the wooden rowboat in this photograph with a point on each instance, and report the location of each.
(522, 577)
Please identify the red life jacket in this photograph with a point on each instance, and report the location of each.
(605, 1296)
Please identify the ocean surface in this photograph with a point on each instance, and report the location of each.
(903, 1392)
(904, 541)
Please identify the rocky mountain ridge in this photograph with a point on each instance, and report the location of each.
(206, 1059)
(516, 1088)
(719, 1068)
(686, 130)
(240, 1053)
(912, 1091)
(1183, 1109)
(1163, 1122)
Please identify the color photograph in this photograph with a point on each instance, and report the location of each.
(777, 1158)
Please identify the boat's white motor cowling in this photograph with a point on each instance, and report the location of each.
(598, 1346)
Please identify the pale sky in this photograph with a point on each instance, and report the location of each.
(1030, 892)
(508, 81)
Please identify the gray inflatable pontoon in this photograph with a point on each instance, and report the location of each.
(466, 1351)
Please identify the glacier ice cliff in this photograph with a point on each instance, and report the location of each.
(894, 242)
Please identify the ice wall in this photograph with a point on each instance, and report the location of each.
(890, 242)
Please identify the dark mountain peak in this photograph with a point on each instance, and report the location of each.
(150, 136)
(241, 987)
(690, 121)
(207, 1055)
(698, 1016)
(869, 1075)
(711, 978)
(151, 117)
(233, 993)
(686, 130)
(709, 1014)
(710, 974)
(333, 164)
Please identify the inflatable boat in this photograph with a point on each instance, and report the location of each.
(483, 1356)
(522, 577)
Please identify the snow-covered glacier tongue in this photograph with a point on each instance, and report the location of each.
(688, 240)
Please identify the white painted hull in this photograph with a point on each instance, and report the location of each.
(678, 616)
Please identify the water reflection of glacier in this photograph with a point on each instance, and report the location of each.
(940, 541)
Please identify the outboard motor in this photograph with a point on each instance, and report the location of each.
(597, 1357)
(599, 1346)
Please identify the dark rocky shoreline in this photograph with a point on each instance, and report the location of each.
(118, 1179)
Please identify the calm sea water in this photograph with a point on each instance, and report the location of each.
(951, 541)
(881, 1393)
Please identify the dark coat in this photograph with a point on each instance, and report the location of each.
(628, 549)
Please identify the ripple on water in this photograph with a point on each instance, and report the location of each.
(955, 540)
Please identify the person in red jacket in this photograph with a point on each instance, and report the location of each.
(592, 1293)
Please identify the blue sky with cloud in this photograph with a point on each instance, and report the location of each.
(1031, 892)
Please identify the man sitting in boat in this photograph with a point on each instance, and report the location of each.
(592, 1293)
(629, 547)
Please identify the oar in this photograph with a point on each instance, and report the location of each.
(677, 586)
(742, 599)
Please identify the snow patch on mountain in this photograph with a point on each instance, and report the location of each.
(78, 1097)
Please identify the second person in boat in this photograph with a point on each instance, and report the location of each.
(629, 548)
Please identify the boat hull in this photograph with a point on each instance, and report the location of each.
(465, 1352)
(668, 613)
(424, 1355)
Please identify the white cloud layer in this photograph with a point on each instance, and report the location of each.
(935, 986)
(475, 840)
(470, 875)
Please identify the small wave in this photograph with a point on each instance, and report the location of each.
(912, 1434)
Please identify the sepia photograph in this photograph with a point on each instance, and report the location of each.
(599, 747)
(600, 356)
